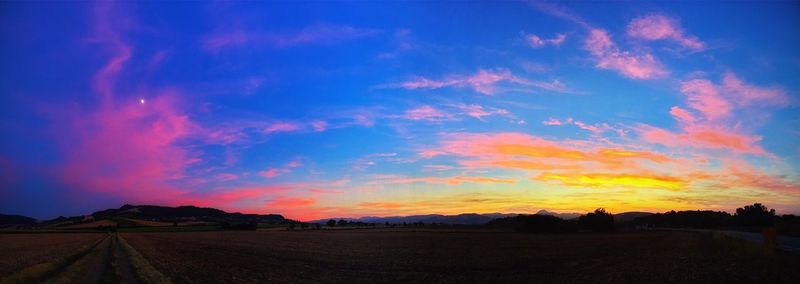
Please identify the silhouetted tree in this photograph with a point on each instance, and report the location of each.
(598, 221)
(687, 219)
(532, 223)
(331, 223)
(755, 215)
(342, 222)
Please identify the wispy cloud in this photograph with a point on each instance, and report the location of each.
(485, 82)
(660, 27)
(536, 42)
(641, 66)
(427, 113)
(282, 126)
(596, 129)
(316, 34)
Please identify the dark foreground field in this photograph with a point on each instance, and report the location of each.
(452, 256)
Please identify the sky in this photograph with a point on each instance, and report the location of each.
(344, 109)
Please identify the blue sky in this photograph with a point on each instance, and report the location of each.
(316, 110)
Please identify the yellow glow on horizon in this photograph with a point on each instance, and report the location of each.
(616, 180)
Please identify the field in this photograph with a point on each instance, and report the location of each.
(458, 256)
(24, 250)
(389, 255)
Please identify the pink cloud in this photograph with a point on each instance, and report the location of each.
(479, 112)
(537, 42)
(596, 129)
(129, 149)
(319, 125)
(702, 136)
(226, 177)
(484, 82)
(272, 172)
(746, 94)
(682, 115)
(705, 97)
(659, 27)
(427, 113)
(282, 127)
(133, 143)
(317, 34)
(608, 56)
(294, 164)
(718, 101)
(552, 122)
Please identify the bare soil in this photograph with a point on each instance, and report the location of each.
(458, 256)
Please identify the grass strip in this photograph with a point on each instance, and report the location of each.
(143, 269)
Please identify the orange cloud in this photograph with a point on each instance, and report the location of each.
(385, 205)
(704, 137)
(615, 180)
(456, 180)
(521, 151)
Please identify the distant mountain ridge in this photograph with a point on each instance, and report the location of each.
(460, 219)
(565, 216)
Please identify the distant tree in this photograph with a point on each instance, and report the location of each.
(342, 222)
(331, 223)
(532, 223)
(755, 215)
(687, 219)
(303, 225)
(317, 226)
(386, 224)
(598, 221)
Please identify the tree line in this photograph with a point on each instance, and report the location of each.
(749, 217)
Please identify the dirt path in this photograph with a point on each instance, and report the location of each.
(122, 264)
(107, 262)
(90, 268)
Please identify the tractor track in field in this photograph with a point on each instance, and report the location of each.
(109, 260)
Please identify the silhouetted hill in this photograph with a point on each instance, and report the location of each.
(627, 217)
(565, 216)
(460, 219)
(128, 215)
(15, 220)
(165, 213)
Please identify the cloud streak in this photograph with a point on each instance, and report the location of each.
(315, 34)
(485, 82)
(659, 27)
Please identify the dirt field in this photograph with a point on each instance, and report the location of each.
(448, 256)
(18, 251)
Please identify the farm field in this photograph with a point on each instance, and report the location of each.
(459, 256)
(23, 250)
(72, 258)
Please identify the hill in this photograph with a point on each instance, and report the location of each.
(627, 217)
(15, 220)
(159, 216)
(565, 216)
(460, 219)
